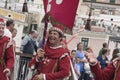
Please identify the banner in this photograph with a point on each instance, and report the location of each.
(45, 3)
(63, 11)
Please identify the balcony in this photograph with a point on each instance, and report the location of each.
(111, 2)
(32, 7)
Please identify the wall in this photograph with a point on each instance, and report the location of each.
(73, 43)
(95, 40)
(18, 37)
(96, 44)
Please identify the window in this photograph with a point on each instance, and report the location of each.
(30, 0)
(33, 27)
(85, 42)
(112, 1)
(89, 0)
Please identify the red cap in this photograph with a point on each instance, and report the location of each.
(2, 21)
(58, 29)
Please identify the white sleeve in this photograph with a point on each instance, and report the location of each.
(44, 76)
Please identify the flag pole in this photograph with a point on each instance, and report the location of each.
(45, 20)
(44, 34)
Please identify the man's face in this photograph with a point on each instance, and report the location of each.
(14, 33)
(12, 26)
(2, 30)
(54, 38)
(35, 35)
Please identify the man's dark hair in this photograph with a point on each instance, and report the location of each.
(115, 51)
(64, 36)
(32, 32)
(9, 22)
(14, 29)
(104, 51)
(87, 48)
(73, 51)
(114, 54)
(104, 45)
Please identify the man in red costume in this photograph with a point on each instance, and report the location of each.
(52, 62)
(6, 54)
(111, 72)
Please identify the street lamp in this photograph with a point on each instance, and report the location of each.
(25, 8)
(88, 23)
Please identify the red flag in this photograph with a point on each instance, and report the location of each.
(63, 11)
(45, 2)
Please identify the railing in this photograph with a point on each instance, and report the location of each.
(18, 7)
(21, 70)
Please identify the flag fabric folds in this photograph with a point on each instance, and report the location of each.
(62, 11)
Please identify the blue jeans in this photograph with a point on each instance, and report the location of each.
(82, 76)
(87, 76)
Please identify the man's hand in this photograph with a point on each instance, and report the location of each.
(39, 77)
(91, 58)
(21, 52)
(40, 52)
(7, 72)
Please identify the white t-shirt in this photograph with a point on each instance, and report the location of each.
(7, 33)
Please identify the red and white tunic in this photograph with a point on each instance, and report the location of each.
(8, 56)
(55, 64)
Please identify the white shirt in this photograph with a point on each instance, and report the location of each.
(7, 33)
